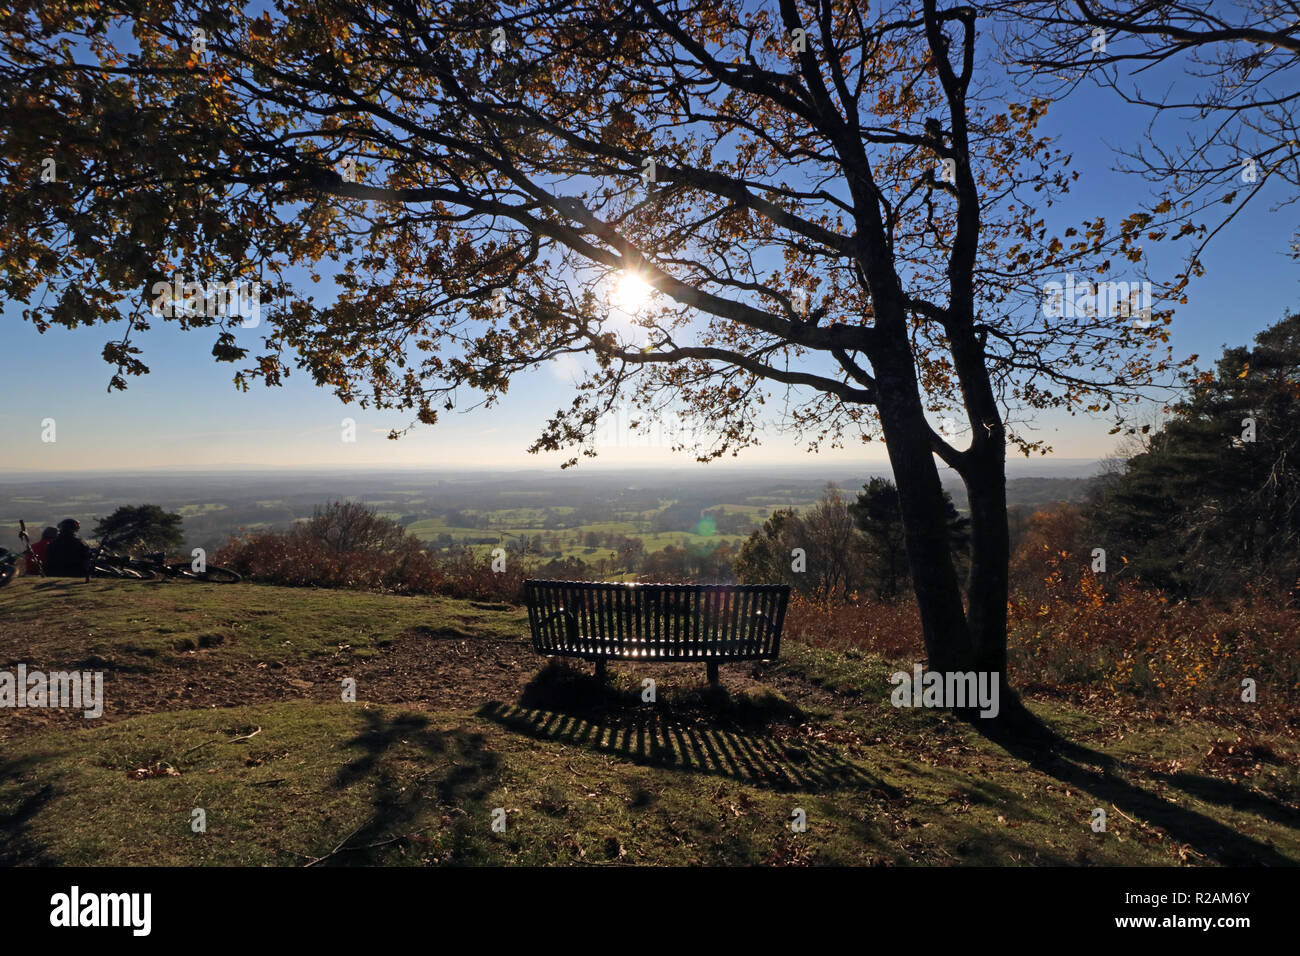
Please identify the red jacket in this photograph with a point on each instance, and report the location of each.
(38, 549)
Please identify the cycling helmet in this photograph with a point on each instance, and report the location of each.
(50, 532)
(69, 524)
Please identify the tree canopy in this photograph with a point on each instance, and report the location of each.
(817, 552)
(840, 548)
(1220, 81)
(343, 526)
(841, 214)
(141, 527)
(475, 176)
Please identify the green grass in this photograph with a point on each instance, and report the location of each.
(146, 624)
(586, 774)
(657, 542)
(429, 528)
(189, 511)
(512, 525)
(755, 512)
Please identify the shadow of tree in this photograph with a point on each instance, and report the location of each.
(16, 846)
(1028, 738)
(973, 845)
(464, 772)
(1233, 795)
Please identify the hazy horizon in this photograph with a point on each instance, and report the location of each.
(1082, 466)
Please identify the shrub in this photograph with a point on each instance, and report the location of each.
(297, 558)
(891, 629)
(1126, 644)
(1173, 655)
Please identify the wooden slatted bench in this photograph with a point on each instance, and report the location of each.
(657, 622)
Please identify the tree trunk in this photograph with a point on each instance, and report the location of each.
(987, 593)
(968, 634)
(921, 501)
(983, 470)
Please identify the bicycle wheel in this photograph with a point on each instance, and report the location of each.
(213, 574)
(220, 576)
(144, 571)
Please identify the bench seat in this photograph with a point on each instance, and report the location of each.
(712, 623)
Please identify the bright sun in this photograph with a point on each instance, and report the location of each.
(632, 292)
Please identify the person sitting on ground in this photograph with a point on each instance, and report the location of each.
(67, 556)
(36, 554)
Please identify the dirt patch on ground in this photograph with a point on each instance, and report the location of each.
(423, 669)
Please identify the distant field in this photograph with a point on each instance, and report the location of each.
(218, 507)
(568, 542)
(430, 528)
(784, 501)
(569, 546)
(189, 511)
(749, 509)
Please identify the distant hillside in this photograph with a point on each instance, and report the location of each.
(1033, 493)
(564, 510)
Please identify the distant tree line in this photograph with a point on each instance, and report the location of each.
(1207, 506)
(840, 549)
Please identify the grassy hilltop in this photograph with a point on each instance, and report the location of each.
(227, 698)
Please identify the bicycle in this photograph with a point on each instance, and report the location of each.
(117, 566)
(154, 566)
(9, 559)
(8, 565)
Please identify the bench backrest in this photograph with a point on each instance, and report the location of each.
(682, 621)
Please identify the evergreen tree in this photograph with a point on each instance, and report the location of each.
(879, 517)
(1213, 504)
(141, 528)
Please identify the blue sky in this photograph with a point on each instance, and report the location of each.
(187, 414)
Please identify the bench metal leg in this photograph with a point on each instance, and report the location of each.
(712, 668)
(600, 669)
